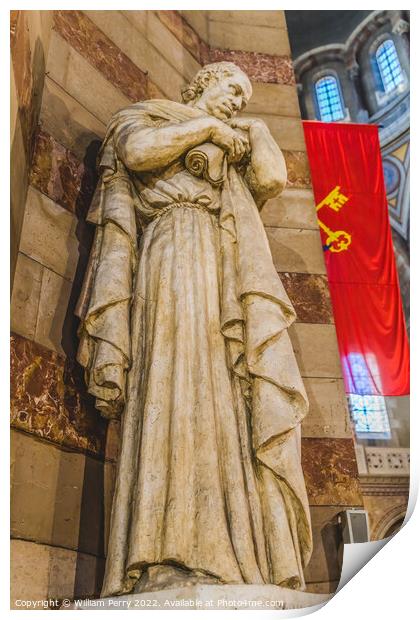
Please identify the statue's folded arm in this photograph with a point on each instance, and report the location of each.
(143, 148)
(266, 174)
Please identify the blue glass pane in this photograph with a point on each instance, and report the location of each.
(389, 65)
(329, 100)
(368, 410)
(369, 415)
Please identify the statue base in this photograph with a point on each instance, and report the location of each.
(226, 597)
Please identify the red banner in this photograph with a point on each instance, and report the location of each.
(352, 211)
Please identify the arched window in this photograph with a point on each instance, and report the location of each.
(389, 66)
(329, 99)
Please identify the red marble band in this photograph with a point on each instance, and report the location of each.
(49, 400)
(259, 67)
(330, 470)
(58, 173)
(310, 296)
(87, 39)
(298, 172)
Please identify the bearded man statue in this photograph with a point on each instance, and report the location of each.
(183, 335)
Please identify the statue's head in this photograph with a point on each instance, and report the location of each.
(221, 89)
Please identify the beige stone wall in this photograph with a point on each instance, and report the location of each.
(29, 39)
(63, 454)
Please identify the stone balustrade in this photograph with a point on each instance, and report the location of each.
(373, 460)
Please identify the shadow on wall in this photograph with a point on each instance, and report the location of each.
(84, 233)
(89, 565)
(75, 388)
(332, 542)
(89, 573)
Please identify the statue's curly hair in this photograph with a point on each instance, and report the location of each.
(209, 74)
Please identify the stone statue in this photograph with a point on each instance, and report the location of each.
(184, 334)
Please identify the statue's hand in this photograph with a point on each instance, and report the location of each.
(235, 144)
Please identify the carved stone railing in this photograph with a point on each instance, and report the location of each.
(384, 461)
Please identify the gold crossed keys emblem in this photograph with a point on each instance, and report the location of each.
(337, 240)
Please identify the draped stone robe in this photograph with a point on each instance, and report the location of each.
(184, 334)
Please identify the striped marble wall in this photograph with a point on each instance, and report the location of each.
(63, 452)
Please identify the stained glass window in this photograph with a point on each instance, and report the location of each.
(367, 408)
(329, 99)
(389, 65)
(358, 374)
(369, 416)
